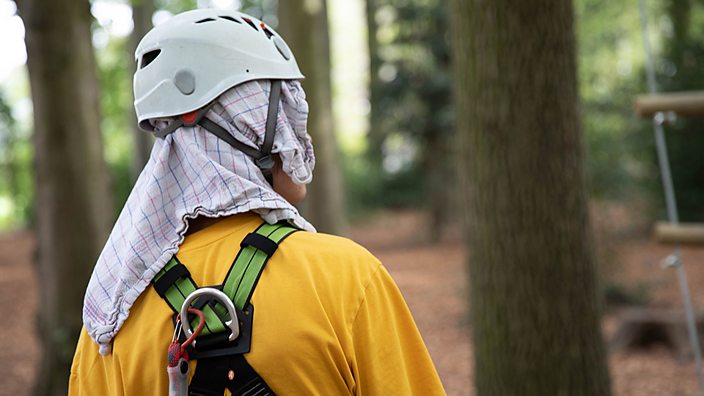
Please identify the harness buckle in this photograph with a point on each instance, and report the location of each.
(265, 163)
(232, 324)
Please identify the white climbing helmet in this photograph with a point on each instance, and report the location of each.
(189, 60)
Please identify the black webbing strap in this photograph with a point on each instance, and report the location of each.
(260, 242)
(266, 162)
(223, 134)
(272, 116)
(169, 129)
(213, 376)
(167, 280)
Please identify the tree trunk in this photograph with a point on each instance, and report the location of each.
(304, 26)
(73, 203)
(534, 301)
(142, 11)
(375, 136)
(438, 178)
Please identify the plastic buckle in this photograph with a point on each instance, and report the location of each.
(265, 163)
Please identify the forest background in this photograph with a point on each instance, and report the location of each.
(393, 110)
(392, 126)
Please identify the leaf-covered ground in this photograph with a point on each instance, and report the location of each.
(433, 280)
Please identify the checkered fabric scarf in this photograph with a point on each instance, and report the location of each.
(192, 172)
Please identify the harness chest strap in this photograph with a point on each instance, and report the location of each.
(218, 360)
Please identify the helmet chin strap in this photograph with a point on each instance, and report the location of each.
(262, 157)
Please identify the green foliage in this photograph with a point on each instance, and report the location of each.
(681, 68)
(369, 187)
(16, 184)
(621, 150)
(412, 99)
(176, 6)
(610, 71)
(414, 70)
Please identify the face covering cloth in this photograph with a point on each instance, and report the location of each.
(192, 172)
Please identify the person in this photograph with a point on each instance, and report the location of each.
(221, 92)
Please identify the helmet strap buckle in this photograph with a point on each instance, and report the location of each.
(265, 163)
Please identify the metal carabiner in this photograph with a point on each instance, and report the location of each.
(196, 332)
(232, 324)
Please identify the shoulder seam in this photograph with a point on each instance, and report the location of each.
(363, 298)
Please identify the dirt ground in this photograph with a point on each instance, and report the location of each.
(432, 277)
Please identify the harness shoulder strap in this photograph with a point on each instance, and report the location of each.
(174, 283)
(217, 371)
(256, 249)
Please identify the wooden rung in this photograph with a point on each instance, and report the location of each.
(683, 103)
(685, 233)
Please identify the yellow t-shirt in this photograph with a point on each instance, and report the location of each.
(328, 320)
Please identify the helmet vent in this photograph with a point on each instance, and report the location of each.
(149, 58)
(206, 20)
(267, 31)
(229, 18)
(250, 23)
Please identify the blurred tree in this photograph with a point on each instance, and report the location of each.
(535, 310)
(16, 162)
(304, 25)
(375, 138)
(142, 11)
(610, 75)
(8, 141)
(72, 201)
(411, 95)
(115, 104)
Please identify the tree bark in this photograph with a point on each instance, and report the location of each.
(438, 179)
(304, 26)
(534, 301)
(375, 136)
(73, 203)
(142, 11)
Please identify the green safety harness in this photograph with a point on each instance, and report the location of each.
(224, 339)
